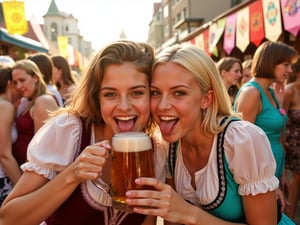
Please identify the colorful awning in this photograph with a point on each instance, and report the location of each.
(21, 41)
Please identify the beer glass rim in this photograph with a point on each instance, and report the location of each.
(130, 134)
(135, 141)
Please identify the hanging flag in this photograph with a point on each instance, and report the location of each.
(199, 41)
(215, 33)
(71, 55)
(14, 16)
(291, 15)
(212, 33)
(79, 60)
(272, 19)
(242, 29)
(63, 42)
(229, 36)
(257, 32)
(206, 41)
(192, 41)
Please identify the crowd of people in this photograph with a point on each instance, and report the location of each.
(224, 137)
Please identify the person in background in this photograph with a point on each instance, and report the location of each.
(256, 100)
(73, 147)
(246, 74)
(29, 81)
(291, 104)
(45, 64)
(6, 60)
(221, 167)
(230, 69)
(9, 169)
(64, 80)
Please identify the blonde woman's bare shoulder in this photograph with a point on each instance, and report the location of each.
(46, 100)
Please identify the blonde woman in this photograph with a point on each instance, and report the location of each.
(29, 82)
(216, 163)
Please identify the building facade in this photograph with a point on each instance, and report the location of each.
(173, 20)
(238, 22)
(57, 23)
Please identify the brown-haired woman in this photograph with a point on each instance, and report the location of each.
(72, 148)
(230, 69)
(45, 64)
(9, 168)
(291, 104)
(257, 101)
(64, 80)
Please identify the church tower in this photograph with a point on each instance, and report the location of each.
(57, 23)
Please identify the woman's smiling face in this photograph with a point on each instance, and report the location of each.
(124, 98)
(175, 100)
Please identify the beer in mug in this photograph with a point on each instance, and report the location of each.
(132, 157)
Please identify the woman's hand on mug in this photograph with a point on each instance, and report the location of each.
(163, 201)
(89, 164)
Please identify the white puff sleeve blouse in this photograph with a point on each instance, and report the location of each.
(55, 145)
(250, 159)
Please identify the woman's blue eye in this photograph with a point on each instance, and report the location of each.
(179, 93)
(137, 93)
(109, 94)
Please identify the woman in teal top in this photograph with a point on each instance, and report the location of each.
(256, 100)
(272, 120)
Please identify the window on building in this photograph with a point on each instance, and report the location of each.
(158, 15)
(178, 17)
(166, 11)
(184, 14)
(54, 32)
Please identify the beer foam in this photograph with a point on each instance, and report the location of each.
(133, 141)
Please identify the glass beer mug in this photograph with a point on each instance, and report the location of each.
(132, 157)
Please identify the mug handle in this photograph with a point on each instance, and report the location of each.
(99, 183)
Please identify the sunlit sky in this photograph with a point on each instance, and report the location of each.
(101, 21)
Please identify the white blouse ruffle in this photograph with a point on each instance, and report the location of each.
(54, 146)
(250, 160)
